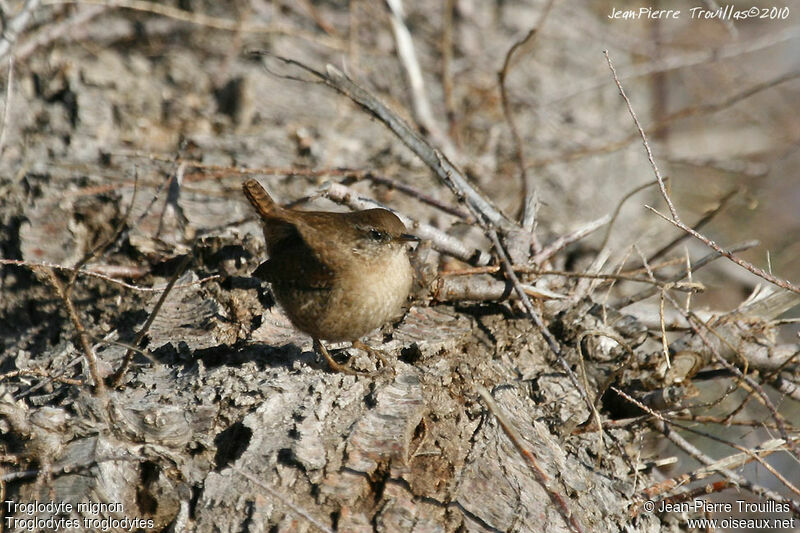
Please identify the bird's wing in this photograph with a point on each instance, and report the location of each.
(295, 265)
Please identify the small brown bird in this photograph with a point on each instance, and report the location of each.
(338, 276)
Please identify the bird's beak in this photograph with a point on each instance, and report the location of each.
(407, 237)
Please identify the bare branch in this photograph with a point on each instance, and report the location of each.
(16, 26)
(705, 219)
(660, 180)
(7, 104)
(440, 165)
(565, 240)
(116, 379)
(83, 337)
(201, 19)
(408, 58)
(741, 262)
(695, 266)
(527, 184)
(541, 476)
(302, 513)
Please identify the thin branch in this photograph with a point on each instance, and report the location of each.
(705, 219)
(712, 465)
(39, 372)
(660, 180)
(697, 265)
(541, 476)
(565, 240)
(16, 26)
(84, 272)
(105, 243)
(663, 425)
(527, 184)
(784, 284)
(617, 209)
(201, 19)
(7, 103)
(302, 513)
(116, 379)
(83, 337)
(674, 214)
(408, 58)
(695, 324)
(440, 165)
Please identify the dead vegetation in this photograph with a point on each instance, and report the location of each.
(554, 346)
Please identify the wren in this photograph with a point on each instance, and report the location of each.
(338, 276)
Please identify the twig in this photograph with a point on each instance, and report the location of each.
(541, 476)
(765, 400)
(712, 466)
(440, 165)
(697, 265)
(91, 273)
(205, 20)
(663, 425)
(56, 31)
(565, 240)
(527, 184)
(662, 297)
(105, 243)
(83, 337)
(675, 220)
(7, 103)
(525, 269)
(302, 513)
(39, 372)
(408, 58)
(705, 219)
(57, 373)
(16, 26)
(741, 262)
(644, 138)
(116, 379)
(617, 209)
(696, 323)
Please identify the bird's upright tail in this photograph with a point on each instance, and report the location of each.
(261, 201)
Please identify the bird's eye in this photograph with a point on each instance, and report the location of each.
(377, 235)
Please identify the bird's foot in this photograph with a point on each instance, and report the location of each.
(332, 364)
